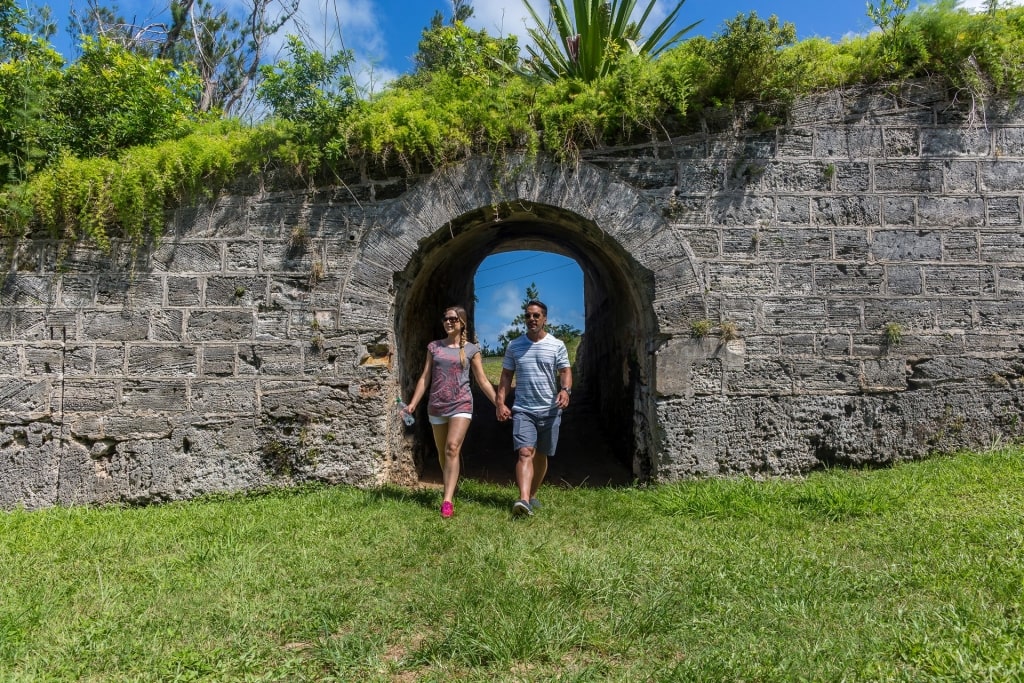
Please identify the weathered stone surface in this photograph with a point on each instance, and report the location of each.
(861, 271)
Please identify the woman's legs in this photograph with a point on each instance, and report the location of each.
(451, 462)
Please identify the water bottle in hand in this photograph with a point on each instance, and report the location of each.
(407, 418)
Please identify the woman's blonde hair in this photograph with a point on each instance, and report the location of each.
(463, 317)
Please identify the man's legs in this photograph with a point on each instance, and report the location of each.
(530, 470)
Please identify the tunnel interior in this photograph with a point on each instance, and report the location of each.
(605, 438)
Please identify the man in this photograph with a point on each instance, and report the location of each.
(540, 364)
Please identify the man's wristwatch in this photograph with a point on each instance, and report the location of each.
(567, 390)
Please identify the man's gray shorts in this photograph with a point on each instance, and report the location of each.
(536, 431)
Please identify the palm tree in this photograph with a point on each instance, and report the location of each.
(590, 42)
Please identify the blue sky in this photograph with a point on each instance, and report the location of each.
(383, 35)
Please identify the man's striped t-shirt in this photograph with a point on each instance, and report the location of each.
(536, 364)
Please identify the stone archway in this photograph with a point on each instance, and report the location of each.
(635, 271)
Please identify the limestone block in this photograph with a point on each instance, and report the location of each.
(246, 291)
(738, 209)
(686, 210)
(46, 359)
(850, 244)
(790, 176)
(28, 290)
(908, 177)
(960, 245)
(88, 395)
(272, 325)
(906, 245)
(220, 397)
(817, 375)
(903, 280)
(6, 326)
(852, 176)
(284, 359)
(191, 257)
(126, 325)
(785, 243)
(793, 210)
(929, 372)
(1002, 247)
(219, 325)
(959, 280)
(184, 291)
(163, 395)
(167, 325)
(1009, 141)
(910, 314)
(832, 345)
(899, 211)
(1003, 211)
(788, 314)
(951, 211)
(684, 366)
(28, 465)
(841, 278)
(701, 176)
(139, 292)
(242, 256)
(1007, 315)
(733, 277)
(161, 360)
(795, 278)
(217, 360)
(77, 291)
(294, 256)
(851, 142)
(740, 243)
(860, 210)
(961, 177)
(109, 359)
(759, 377)
(1002, 176)
(10, 361)
(1011, 279)
(957, 141)
(26, 398)
(843, 314)
(955, 314)
(646, 172)
(901, 142)
(796, 142)
(883, 375)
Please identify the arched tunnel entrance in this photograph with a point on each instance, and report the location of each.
(605, 437)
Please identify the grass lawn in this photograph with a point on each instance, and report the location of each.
(914, 573)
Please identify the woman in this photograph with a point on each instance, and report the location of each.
(450, 407)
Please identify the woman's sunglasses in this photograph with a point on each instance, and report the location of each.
(451, 319)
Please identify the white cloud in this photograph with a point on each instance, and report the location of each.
(496, 311)
(979, 5)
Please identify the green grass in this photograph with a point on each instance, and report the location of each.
(914, 573)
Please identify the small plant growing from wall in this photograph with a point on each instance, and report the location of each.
(893, 334)
(299, 238)
(239, 292)
(729, 331)
(700, 328)
(316, 273)
(830, 173)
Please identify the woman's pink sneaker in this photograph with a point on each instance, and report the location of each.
(447, 509)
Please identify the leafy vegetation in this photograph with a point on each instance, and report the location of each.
(71, 182)
(593, 38)
(912, 573)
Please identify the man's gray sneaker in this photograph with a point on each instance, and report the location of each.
(521, 508)
(535, 504)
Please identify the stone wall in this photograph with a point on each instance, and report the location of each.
(854, 278)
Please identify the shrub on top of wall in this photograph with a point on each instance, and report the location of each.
(437, 118)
